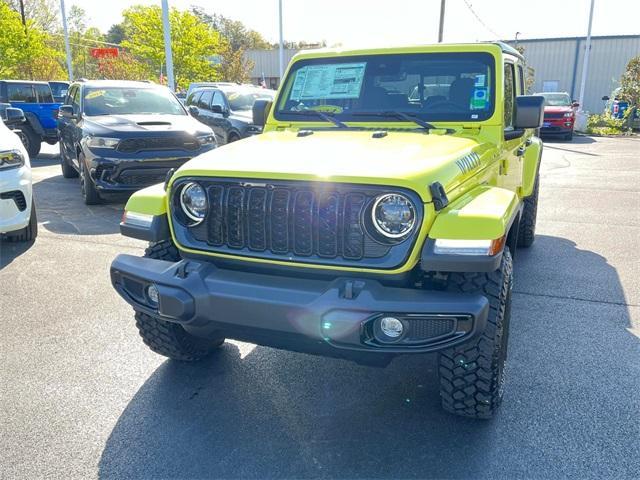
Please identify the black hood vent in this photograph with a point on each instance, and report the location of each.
(152, 123)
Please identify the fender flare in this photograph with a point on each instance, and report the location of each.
(34, 122)
(531, 165)
(484, 213)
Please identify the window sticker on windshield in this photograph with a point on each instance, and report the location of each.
(95, 94)
(335, 81)
(480, 79)
(479, 99)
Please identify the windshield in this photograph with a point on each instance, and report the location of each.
(431, 87)
(131, 101)
(244, 99)
(557, 99)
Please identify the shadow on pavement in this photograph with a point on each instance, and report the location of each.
(61, 209)
(275, 414)
(9, 251)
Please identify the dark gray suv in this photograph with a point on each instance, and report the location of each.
(228, 109)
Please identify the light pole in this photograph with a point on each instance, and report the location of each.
(441, 29)
(66, 40)
(581, 117)
(281, 46)
(166, 26)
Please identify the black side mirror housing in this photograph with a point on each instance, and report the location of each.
(66, 111)
(217, 109)
(605, 98)
(261, 109)
(194, 111)
(529, 111)
(14, 116)
(575, 104)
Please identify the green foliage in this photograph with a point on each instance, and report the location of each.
(237, 35)
(193, 43)
(630, 82)
(605, 124)
(529, 73)
(25, 54)
(43, 14)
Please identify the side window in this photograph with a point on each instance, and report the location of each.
(205, 100)
(21, 92)
(218, 99)
(509, 94)
(192, 99)
(75, 100)
(44, 93)
(521, 82)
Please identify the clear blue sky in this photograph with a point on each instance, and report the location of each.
(356, 22)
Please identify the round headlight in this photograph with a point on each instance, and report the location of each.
(193, 200)
(393, 215)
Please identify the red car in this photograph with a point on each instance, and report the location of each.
(559, 114)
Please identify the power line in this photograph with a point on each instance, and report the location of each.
(468, 4)
(90, 40)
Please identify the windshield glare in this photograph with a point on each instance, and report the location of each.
(130, 101)
(244, 100)
(433, 86)
(557, 99)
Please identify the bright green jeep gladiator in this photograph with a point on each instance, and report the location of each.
(378, 215)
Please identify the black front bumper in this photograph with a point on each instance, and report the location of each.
(333, 318)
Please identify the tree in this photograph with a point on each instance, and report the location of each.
(193, 43)
(122, 67)
(530, 72)
(630, 87)
(25, 54)
(238, 36)
(43, 14)
(115, 33)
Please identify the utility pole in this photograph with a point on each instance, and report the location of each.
(585, 63)
(24, 18)
(66, 40)
(441, 29)
(281, 47)
(167, 44)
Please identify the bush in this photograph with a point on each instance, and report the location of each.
(605, 124)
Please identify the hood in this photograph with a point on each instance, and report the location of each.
(244, 115)
(406, 159)
(145, 124)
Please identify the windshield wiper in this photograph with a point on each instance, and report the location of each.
(324, 116)
(395, 114)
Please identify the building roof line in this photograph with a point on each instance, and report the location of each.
(593, 37)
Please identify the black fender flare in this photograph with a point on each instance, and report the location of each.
(34, 122)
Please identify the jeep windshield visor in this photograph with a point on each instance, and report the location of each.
(431, 87)
(130, 101)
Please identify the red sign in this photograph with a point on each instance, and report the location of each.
(104, 52)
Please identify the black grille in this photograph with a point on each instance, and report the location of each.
(553, 115)
(311, 222)
(142, 177)
(17, 197)
(182, 142)
(426, 328)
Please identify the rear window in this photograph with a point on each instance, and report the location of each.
(21, 92)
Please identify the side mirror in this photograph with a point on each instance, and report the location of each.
(66, 111)
(529, 111)
(218, 109)
(261, 109)
(14, 116)
(575, 104)
(605, 98)
(194, 111)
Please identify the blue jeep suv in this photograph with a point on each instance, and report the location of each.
(40, 110)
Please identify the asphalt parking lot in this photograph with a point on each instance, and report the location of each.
(82, 397)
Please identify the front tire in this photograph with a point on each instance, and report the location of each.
(527, 227)
(472, 375)
(28, 233)
(87, 188)
(167, 338)
(31, 140)
(67, 170)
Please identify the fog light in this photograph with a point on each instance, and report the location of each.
(391, 327)
(152, 294)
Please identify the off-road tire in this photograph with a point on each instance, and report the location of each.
(569, 137)
(28, 233)
(87, 188)
(472, 374)
(67, 170)
(527, 227)
(31, 140)
(168, 338)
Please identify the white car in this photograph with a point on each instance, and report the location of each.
(18, 220)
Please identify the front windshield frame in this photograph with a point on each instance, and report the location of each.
(280, 113)
(179, 110)
(548, 96)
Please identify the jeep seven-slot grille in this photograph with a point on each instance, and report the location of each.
(293, 221)
(283, 220)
